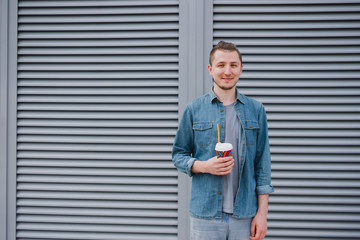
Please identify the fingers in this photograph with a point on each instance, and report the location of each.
(257, 233)
(252, 230)
(220, 166)
(225, 165)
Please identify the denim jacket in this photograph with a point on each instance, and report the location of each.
(196, 139)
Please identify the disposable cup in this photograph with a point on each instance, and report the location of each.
(223, 149)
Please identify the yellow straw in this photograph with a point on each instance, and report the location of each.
(218, 132)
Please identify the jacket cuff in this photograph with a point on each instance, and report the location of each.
(189, 166)
(266, 189)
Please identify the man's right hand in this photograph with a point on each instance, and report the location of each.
(215, 166)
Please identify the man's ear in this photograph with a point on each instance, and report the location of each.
(210, 69)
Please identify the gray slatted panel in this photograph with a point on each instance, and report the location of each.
(302, 61)
(97, 113)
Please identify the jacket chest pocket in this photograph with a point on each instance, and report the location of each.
(251, 128)
(203, 133)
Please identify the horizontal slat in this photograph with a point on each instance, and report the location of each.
(299, 75)
(281, 124)
(305, 108)
(98, 139)
(95, 164)
(96, 147)
(314, 208)
(307, 44)
(141, 10)
(97, 204)
(114, 91)
(313, 233)
(94, 155)
(294, 174)
(164, 18)
(143, 180)
(84, 49)
(299, 91)
(86, 46)
(75, 3)
(100, 123)
(97, 196)
(286, 25)
(280, 33)
(101, 107)
(95, 228)
(286, 9)
(317, 166)
(316, 150)
(323, 158)
(96, 99)
(98, 35)
(293, 66)
(98, 220)
(106, 59)
(314, 117)
(97, 75)
(98, 67)
(345, 200)
(340, 100)
(312, 225)
(343, 217)
(93, 115)
(300, 58)
(161, 164)
(287, 17)
(351, 192)
(283, 2)
(97, 27)
(35, 235)
(159, 213)
(110, 190)
(96, 131)
(315, 142)
(296, 83)
(314, 133)
(97, 172)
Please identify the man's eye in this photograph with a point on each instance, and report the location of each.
(234, 65)
(220, 65)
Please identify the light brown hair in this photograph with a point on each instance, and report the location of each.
(224, 46)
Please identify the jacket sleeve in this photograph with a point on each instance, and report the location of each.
(263, 158)
(184, 144)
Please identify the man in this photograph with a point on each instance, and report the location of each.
(229, 196)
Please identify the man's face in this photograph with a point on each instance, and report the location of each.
(225, 69)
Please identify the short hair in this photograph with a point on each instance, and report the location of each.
(224, 46)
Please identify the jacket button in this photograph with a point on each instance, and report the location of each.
(250, 126)
(220, 125)
(221, 110)
(219, 193)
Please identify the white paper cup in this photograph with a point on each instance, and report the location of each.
(223, 149)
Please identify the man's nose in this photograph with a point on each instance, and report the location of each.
(227, 70)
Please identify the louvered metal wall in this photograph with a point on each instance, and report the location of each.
(97, 113)
(302, 61)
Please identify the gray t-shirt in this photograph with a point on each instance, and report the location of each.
(231, 181)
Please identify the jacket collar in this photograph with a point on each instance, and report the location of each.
(239, 96)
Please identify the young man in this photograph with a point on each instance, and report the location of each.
(229, 196)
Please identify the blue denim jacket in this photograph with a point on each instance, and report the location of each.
(196, 139)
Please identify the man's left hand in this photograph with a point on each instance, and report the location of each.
(258, 227)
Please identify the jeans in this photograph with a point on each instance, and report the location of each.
(226, 228)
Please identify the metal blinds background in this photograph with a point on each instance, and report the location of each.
(97, 113)
(301, 59)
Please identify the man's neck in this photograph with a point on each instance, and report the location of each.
(227, 97)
